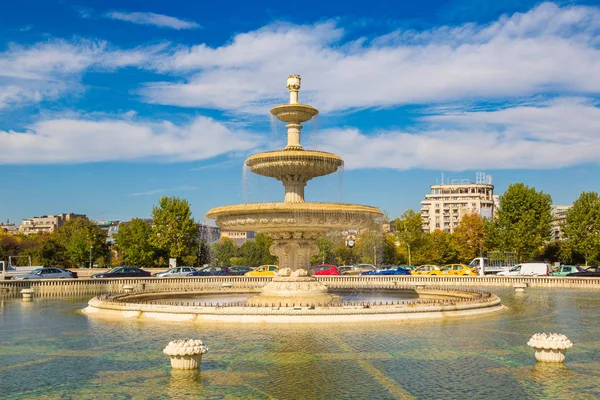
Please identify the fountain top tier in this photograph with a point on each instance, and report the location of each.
(294, 166)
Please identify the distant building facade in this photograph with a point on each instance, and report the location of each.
(559, 216)
(9, 227)
(209, 234)
(448, 203)
(111, 228)
(47, 223)
(239, 237)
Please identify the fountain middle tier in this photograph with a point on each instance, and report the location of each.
(294, 220)
(307, 164)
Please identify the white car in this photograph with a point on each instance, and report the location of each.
(527, 269)
(176, 271)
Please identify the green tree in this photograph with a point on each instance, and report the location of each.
(173, 228)
(133, 241)
(410, 239)
(523, 223)
(440, 248)
(327, 245)
(582, 226)
(469, 237)
(48, 252)
(222, 252)
(203, 253)
(82, 240)
(256, 252)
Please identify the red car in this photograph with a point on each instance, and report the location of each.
(325, 269)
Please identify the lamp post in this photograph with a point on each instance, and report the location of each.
(91, 247)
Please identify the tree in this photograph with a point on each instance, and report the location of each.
(327, 246)
(469, 237)
(409, 237)
(48, 252)
(256, 252)
(440, 248)
(582, 226)
(133, 241)
(223, 251)
(524, 218)
(81, 240)
(173, 228)
(203, 253)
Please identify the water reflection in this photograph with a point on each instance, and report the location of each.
(481, 357)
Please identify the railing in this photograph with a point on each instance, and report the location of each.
(91, 287)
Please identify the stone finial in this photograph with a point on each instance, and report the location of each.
(27, 294)
(185, 354)
(550, 347)
(293, 85)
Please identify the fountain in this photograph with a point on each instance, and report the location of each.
(294, 223)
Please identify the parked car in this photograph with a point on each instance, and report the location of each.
(527, 269)
(325, 269)
(389, 271)
(456, 270)
(359, 269)
(425, 269)
(210, 271)
(239, 270)
(263, 270)
(122, 272)
(564, 270)
(47, 273)
(343, 268)
(588, 272)
(176, 271)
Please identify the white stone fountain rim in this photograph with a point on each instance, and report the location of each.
(105, 306)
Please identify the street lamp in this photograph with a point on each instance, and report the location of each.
(91, 247)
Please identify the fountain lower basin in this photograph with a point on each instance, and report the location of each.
(426, 304)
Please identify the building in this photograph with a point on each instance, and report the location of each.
(447, 203)
(46, 223)
(239, 237)
(559, 216)
(9, 227)
(209, 234)
(110, 227)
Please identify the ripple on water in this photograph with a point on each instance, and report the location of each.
(483, 357)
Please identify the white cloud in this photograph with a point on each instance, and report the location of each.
(148, 18)
(549, 48)
(163, 190)
(30, 74)
(561, 134)
(76, 140)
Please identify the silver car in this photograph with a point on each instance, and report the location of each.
(47, 273)
(176, 271)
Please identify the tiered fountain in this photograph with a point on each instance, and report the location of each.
(293, 295)
(294, 224)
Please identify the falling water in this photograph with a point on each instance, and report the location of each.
(340, 176)
(245, 183)
(311, 133)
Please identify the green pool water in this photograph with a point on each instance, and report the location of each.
(49, 350)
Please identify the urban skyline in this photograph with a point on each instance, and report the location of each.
(107, 106)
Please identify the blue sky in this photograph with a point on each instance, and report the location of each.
(105, 106)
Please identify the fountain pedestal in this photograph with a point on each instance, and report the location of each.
(290, 291)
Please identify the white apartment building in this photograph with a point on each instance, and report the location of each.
(447, 203)
(559, 216)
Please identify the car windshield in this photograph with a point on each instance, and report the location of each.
(113, 270)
